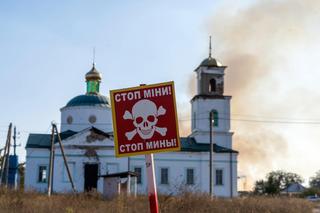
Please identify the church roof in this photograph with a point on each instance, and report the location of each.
(93, 74)
(188, 144)
(211, 62)
(43, 140)
(88, 100)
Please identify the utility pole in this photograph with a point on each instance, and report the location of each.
(5, 161)
(14, 140)
(8, 160)
(64, 158)
(14, 161)
(50, 180)
(51, 162)
(211, 121)
(231, 177)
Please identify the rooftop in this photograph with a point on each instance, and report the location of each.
(210, 62)
(89, 100)
(188, 144)
(93, 74)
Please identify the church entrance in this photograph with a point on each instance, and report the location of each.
(90, 176)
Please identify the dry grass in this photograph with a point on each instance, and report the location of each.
(15, 201)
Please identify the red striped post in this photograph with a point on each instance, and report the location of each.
(152, 188)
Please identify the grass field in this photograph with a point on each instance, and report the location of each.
(15, 201)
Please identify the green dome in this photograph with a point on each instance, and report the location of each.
(210, 62)
(88, 100)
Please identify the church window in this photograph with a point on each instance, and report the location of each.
(69, 119)
(190, 176)
(219, 177)
(138, 170)
(42, 176)
(212, 85)
(164, 178)
(92, 119)
(215, 117)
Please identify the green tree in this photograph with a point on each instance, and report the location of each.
(259, 187)
(315, 180)
(276, 181)
(310, 192)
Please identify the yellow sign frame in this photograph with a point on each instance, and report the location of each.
(115, 133)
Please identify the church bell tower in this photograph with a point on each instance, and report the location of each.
(210, 98)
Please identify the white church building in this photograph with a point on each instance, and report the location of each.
(87, 138)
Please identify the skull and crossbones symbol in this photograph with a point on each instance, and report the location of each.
(145, 118)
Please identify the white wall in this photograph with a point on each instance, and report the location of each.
(176, 162)
(201, 131)
(75, 148)
(202, 108)
(34, 159)
(81, 114)
(61, 182)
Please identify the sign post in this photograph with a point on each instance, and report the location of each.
(145, 122)
(152, 189)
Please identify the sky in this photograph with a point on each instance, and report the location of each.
(46, 49)
(270, 48)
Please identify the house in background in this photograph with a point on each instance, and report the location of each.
(87, 137)
(293, 189)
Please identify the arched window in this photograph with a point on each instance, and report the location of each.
(212, 85)
(215, 117)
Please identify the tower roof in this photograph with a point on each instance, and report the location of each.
(210, 61)
(92, 96)
(93, 74)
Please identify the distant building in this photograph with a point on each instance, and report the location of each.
(293, 189)
(86, 132)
